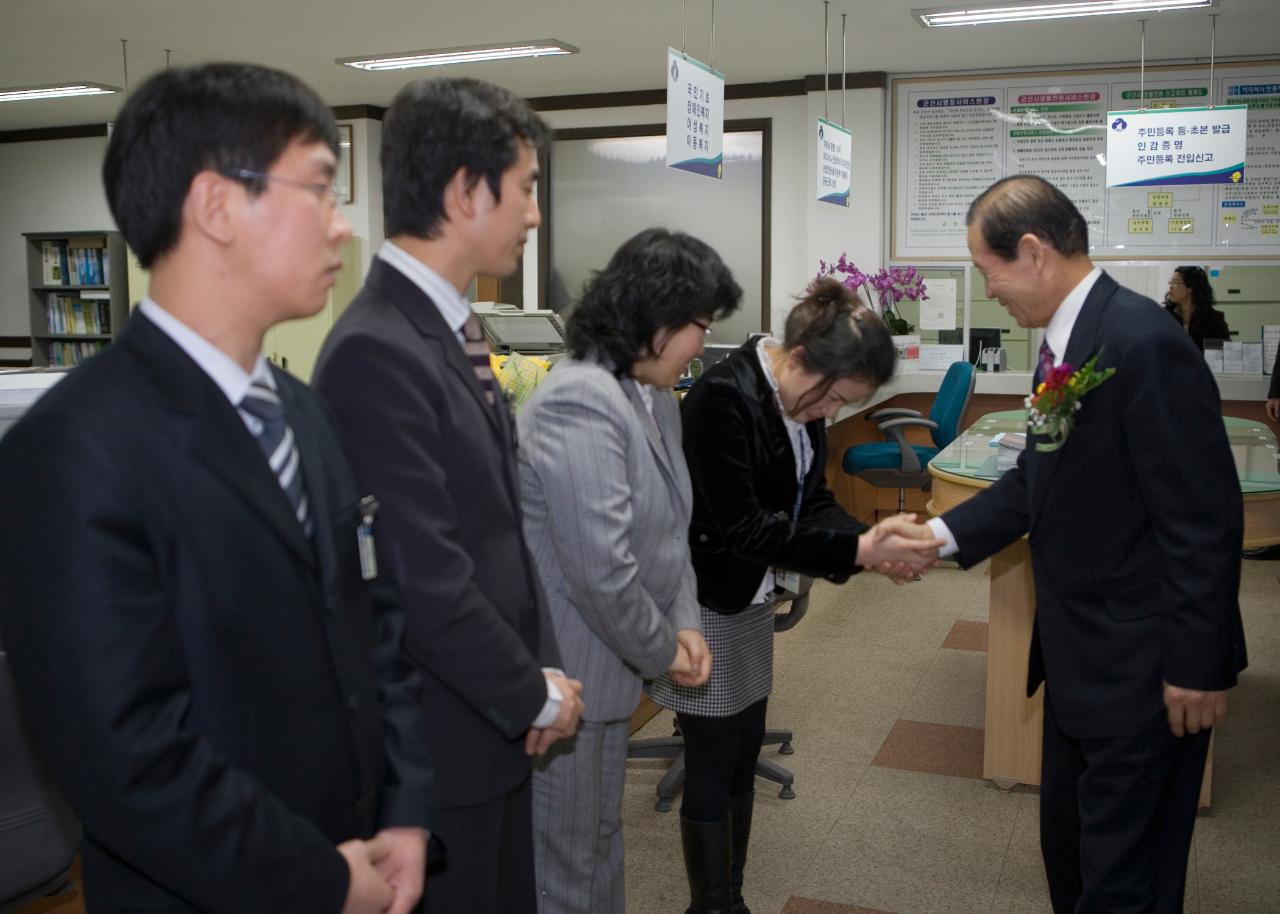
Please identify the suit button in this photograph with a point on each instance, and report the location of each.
(702, 537)
(353, 701)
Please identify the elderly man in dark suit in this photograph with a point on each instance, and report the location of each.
(216, 683)
(1135, 526)
(406, 369)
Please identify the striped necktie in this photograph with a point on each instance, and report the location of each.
(1045, 366)
(477, 349)
(276, 440)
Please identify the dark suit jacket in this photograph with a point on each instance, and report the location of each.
(744, 489)
(1274, 390)
(201, 676)
(419, 432)
(1206, 324)
(1135, 527)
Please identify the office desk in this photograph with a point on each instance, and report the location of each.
(1011, 751)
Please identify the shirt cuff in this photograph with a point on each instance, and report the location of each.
(942, 532)
(551, 708)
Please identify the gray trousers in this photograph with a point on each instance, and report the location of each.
(577, 822)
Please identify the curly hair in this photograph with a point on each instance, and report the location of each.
(657, 279)
(1197, 282)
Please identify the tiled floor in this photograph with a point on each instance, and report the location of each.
(884, 689)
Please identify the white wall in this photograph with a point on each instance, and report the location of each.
(47, 186)
(802, 230)
(56, 185)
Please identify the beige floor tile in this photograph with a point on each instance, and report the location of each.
(952, 691)
(935, 806)
(1238, 865)
(905, 870)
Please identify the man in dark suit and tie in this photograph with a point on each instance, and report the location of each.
(1135, 526)
(215, 682)
(406, 370)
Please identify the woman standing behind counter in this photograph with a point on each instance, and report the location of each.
(755, 440)
(606, 512)
(1191, 301)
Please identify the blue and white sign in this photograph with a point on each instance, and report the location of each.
(835, 161)
(1176, 146)
(695, 116)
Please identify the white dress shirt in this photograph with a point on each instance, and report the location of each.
(1057, 335)
(220, 367)
(456, 310)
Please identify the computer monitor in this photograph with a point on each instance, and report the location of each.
(531, 332)
(980, 338)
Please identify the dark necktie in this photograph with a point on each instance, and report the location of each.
(1045, 366)
(477, 349)
(276, 440)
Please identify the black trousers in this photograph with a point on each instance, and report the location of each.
(719, 760)
(1116, 817)
(488, 867)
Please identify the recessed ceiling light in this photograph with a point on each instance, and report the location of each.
(941, 17)
(439, 57)
(59, 90)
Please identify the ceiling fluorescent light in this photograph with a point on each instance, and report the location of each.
(544, 47)
(942, 17)
(60, 90)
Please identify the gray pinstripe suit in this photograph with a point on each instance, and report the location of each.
(607, 503)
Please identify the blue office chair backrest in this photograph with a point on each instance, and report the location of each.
(952, 401)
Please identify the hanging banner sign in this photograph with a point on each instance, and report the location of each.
(835, 163)
(695, 116)
(1176, 146)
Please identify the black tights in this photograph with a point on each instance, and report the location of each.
(719, 760)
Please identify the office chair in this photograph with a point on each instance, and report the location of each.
(672, 747)
(38, 833)
(898, 464)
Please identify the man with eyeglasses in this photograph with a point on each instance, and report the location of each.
(208, 663)
(406, 370)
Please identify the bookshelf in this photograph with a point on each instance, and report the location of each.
(79, 293)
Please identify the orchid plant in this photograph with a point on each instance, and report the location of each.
(883, 289)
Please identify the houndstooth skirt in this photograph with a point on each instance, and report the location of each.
(741, 665)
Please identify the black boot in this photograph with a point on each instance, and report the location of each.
(707, 861)
(740, 808)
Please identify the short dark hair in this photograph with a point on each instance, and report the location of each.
(838, 337)
(657, 279)
(1028, 204)
(180, 122)
(436, 126)
(1197, 282)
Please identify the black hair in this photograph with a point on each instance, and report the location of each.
(657, 279)
(838, 337)
(219, 116)
(1197, 281)
(1028, 204)
(435, 127)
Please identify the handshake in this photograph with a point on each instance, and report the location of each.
(899, 548)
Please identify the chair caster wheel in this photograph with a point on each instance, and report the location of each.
(786, 749)
(662, 805)
(786, 793)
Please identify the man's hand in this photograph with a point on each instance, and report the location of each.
(899, 548)
(692, 651)
(1273, 409)
(537, 742)
(403, 866)
(367, 890)
(1191, 711)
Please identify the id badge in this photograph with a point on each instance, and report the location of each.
(364, 538)
(786, 580)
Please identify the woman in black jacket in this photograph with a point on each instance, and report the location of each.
(755, 442)
(1191, 301)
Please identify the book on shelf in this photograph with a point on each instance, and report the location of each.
(89, 312)
(63, 354)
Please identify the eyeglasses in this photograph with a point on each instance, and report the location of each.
(1176, 282)
(704, 326)
(327, 194)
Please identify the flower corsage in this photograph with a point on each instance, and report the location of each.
(1051, 409)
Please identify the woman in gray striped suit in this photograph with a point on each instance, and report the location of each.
(607, 506)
